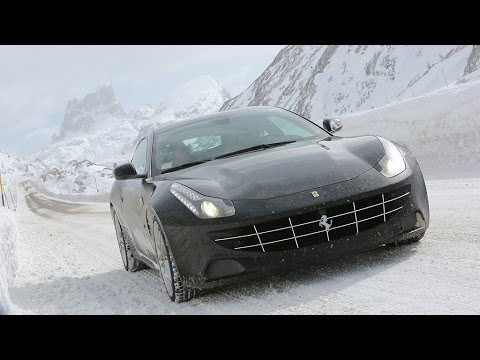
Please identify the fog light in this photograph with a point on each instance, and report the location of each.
(420, 220)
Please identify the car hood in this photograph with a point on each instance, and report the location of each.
(300, 166)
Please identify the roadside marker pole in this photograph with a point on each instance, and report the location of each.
(6, 200)
(1, 191)
(95, 181)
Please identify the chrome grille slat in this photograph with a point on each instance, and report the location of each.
(355, 212)
(383, 204)
(317, 232)
(259, 240)
(398, 197)
(382, 212)
(236, 237)
(293, 230)
(266, 243)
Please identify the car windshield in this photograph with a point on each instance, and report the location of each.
(209, 139)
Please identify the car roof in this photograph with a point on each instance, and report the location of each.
(196, 119)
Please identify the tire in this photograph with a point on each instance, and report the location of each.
(411, 240)
(129, 261)
(415, 238)
(172, 280)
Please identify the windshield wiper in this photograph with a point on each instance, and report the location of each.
(254, 148)
(183, 166)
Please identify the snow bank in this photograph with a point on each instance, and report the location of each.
(101, 197)
(77, 178)
(10, 194)
(8, 259)
(441, 128)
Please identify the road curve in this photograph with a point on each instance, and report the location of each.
(69, 263)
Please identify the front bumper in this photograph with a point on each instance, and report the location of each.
(204, 263)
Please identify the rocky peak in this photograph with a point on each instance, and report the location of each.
(86, 114)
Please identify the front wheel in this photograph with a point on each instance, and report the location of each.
(411, 240)
(168, 271)
(129, 261)
(415, 238)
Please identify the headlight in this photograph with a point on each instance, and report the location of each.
(392, 162)
(204, 207)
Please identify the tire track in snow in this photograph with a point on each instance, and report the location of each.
(69, 264)
(69, 252)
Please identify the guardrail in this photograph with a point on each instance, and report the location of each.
(8, 192)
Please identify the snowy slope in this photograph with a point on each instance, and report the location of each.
(13, 169)
(148, 111)
(100, 133)
(84, 272)
(10, 165)
(76, 177)
(331, 80)
(441, 128)
(8, 258)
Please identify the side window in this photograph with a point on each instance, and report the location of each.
(139, 160)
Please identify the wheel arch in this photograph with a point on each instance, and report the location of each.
(152, 218)
(118, 212)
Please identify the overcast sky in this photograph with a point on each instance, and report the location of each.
(37, 81)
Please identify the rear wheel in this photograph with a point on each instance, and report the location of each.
(129, 261)
(168, 271)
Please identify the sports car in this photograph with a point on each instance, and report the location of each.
(241, 193)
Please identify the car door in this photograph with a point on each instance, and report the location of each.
(136, 193)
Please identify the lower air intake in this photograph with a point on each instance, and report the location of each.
(321, 225)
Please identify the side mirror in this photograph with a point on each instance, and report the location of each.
(332, 125)
(126, 171)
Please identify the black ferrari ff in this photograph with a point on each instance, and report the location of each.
(228, 196)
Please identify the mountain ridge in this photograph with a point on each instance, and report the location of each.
(98, 133)
(332, 80)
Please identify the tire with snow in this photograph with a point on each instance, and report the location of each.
(411, 240)
(174, 286)
(415, 238)
(129, 261)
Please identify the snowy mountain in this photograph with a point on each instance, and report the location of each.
(201, 95)
(9, 165)
(331, 80)
(96, 110)
(148, 111)
(11, 170)
(96, 131)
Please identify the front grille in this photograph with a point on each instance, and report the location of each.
(321, 225)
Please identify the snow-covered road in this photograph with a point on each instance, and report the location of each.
(69, 263)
